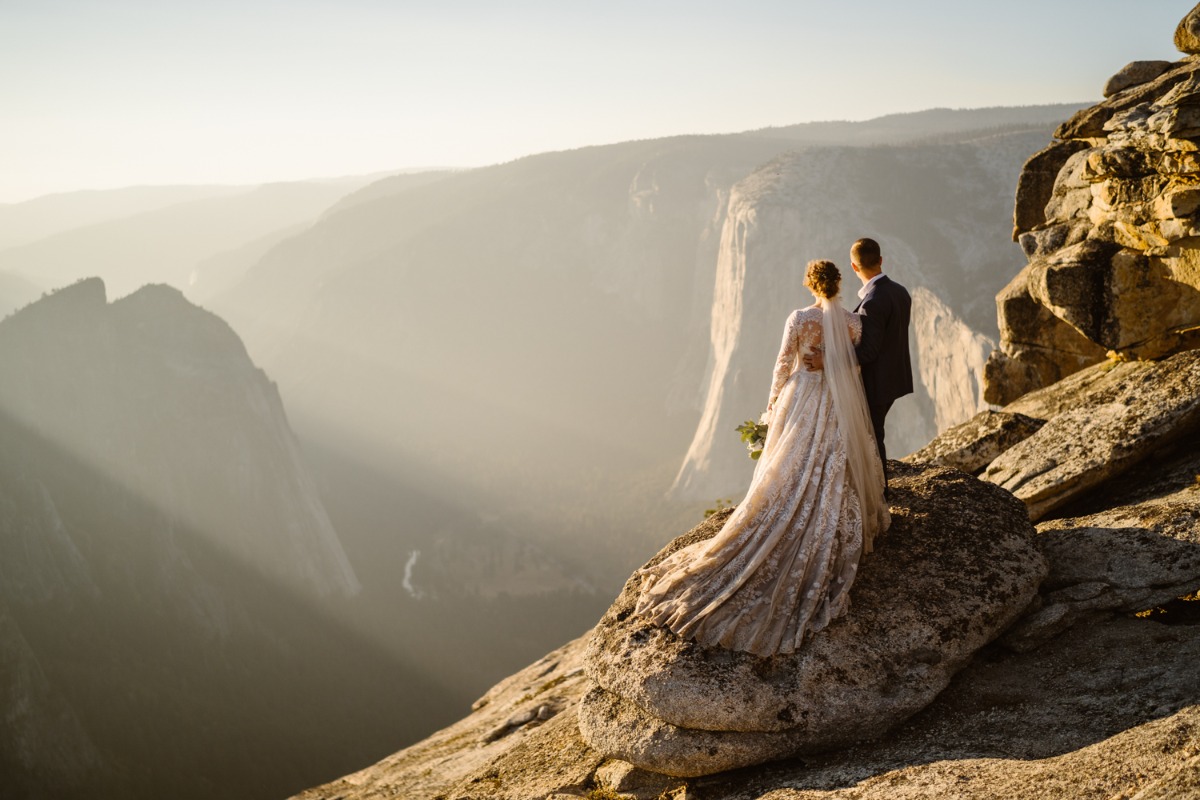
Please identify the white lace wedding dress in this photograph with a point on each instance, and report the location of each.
(782, 566)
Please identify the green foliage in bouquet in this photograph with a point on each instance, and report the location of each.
(754, 434)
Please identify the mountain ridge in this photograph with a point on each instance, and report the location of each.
(169, 571)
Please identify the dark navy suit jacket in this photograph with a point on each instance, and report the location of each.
(883, 350)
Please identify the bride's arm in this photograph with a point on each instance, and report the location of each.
(786, 361)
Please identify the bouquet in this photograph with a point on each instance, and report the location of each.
(754, 434)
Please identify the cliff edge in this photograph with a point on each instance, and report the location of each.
(1093, 693)
(1071, 562)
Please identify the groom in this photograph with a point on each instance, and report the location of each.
(883, 350)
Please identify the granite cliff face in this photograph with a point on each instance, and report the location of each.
(939, 216)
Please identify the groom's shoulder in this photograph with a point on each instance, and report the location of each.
(888, 284)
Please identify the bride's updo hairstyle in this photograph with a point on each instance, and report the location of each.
(823, 278)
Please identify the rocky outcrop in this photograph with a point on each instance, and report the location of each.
(1056, 445)
(1108, 219)
(953, 571)
(1139, 409)
(1187, 35)
(1138, 553)
(972, 445)
(1104, 708)
(1117, 447)
(1038, 182)
(1134, 73)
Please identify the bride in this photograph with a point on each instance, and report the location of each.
(782, 566)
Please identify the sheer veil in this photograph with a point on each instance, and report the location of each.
(854, 421)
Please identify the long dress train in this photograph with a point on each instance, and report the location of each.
(782, 565)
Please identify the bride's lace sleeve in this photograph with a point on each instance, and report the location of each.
(856, 326)
(785, 363)
(801, 334)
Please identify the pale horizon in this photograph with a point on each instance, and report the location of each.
(137, 94)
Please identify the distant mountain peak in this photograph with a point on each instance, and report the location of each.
(159, 397)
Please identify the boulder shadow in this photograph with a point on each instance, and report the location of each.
(1104, 677)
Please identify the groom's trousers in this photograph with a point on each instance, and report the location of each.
(878, 413)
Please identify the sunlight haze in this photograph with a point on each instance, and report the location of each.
(132, 92)
(355, 353)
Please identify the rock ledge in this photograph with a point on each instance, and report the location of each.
(957, 567)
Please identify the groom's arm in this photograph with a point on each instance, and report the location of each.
(874, 312)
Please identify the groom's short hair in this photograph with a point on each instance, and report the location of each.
(865, 253)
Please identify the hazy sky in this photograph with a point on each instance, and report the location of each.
(100, 94)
